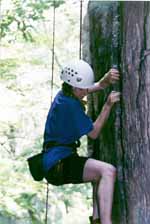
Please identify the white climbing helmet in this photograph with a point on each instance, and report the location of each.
(78, 73)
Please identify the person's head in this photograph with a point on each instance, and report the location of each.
(78, 76)
(69, 90)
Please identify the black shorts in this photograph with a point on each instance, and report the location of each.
(68, 170)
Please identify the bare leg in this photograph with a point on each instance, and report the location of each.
(93, 171)
(105, 193)
(95, 201)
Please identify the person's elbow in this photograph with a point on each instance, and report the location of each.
(93, 134)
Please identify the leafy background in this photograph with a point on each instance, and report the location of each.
(25, 93)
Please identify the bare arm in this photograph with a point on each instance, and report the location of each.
(103, 116)
(100, 121)
(97, 86)
(112, 76)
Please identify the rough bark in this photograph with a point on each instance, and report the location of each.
(120, 37)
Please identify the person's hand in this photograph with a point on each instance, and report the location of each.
(111, 77)
(113, 97)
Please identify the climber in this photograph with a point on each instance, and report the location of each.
(66, 123)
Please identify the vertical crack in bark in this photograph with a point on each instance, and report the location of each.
(116, 42)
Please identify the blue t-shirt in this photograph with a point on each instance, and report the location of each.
(66, 122)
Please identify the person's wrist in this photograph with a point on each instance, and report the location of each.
(109, 104)
(104, 82)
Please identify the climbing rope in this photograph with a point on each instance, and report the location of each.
(47, 193)
(53, 51)
(52, 84)
(52, 77)
(80, 39)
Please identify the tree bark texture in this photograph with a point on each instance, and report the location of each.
(119, 36)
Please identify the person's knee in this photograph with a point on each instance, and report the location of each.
(110, 171)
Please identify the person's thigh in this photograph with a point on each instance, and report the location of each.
(94, 169)
(73, 169)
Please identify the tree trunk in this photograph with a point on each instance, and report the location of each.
(120, 37)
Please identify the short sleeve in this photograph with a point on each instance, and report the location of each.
(66, 121)
(82, 122)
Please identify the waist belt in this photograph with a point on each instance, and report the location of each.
(36, 162)
(51, 144)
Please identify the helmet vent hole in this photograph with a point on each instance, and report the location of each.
(79, 79)
(68, 80)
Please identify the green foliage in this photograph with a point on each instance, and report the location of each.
(26, 201)
(7, 66)
(35, 61)
(23, 15)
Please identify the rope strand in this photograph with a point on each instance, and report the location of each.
(53, 51)
(80, 39)
(47, 193)
(52, 84)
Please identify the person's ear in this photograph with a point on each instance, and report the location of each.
(74, 88)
